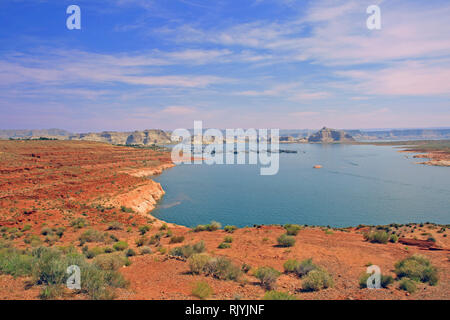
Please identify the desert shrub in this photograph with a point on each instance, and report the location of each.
(385, 281)
(95, 251)
(408, 285)
(228, 239)
(120, 245)
(316, 280)
(285, 240)
(417, 268)
(26, 227)
(59, 231)
(224, 245)
(267, 277)
(110, 261)
(213, 226)
(230, 229)
(130, 253)
(177, 239)
(291, 265)
(115, 225)
(377, 237)
(292, 229)
(200, 227)
(78, 223)
(141, 241)
(393, 238)
(305, 267)
(49, 266)
(146, 250)
(51, 292)
(127, 210)
(164, 227)
(202, 290)
(14, 262)
(246, 267)
(91, 235)
(46, 231)
(278, 295)
(222, 268)
(144, 229)
(197, 263)
(187, 250)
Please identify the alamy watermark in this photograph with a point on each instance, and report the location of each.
(236, 146)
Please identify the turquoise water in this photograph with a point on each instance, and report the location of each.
(358, 184)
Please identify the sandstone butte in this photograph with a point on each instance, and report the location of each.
(48, 184)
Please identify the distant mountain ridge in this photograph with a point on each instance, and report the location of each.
(145, 137)
(157, 136)
(327, 135)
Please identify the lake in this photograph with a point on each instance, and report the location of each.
(358, 184)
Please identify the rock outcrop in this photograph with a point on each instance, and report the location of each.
(327, 135)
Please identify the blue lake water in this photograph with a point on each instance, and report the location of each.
(358, 184)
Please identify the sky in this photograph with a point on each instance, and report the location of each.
(287, 64)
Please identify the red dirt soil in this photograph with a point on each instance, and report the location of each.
(51, 183)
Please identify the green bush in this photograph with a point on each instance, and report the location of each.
(146, 250)
(110, 261)
(78, 223)
(141, 241)
(95, 251)
(177, 239)
(120, 245)
(144, 229)
(224, 245)
(115, 226)
(222, 268)
(292, 229)
(228, 239)
(393, 238)
(291, 265)
(316, 280)
(91, 235)
(385, 281)
(267, 276)
(305, 267)
(286, 241)
(14, 262)
(202, 290)
(230, 229)
(187, 250)
(213, 226)
(130, 253)
(417, 268)
(377, 236)
(197, 263)
(408, 285)
(278, 295)
(51, 292)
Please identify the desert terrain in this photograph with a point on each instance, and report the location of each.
(94, 200)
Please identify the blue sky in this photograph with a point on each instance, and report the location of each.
(288, 64)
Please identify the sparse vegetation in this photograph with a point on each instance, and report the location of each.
(202, 290)
(377, 236)
(278, 295)
(267, 277)
(417, 268)
(316, 280)
(286, 241)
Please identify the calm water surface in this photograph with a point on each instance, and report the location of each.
(357, 185)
